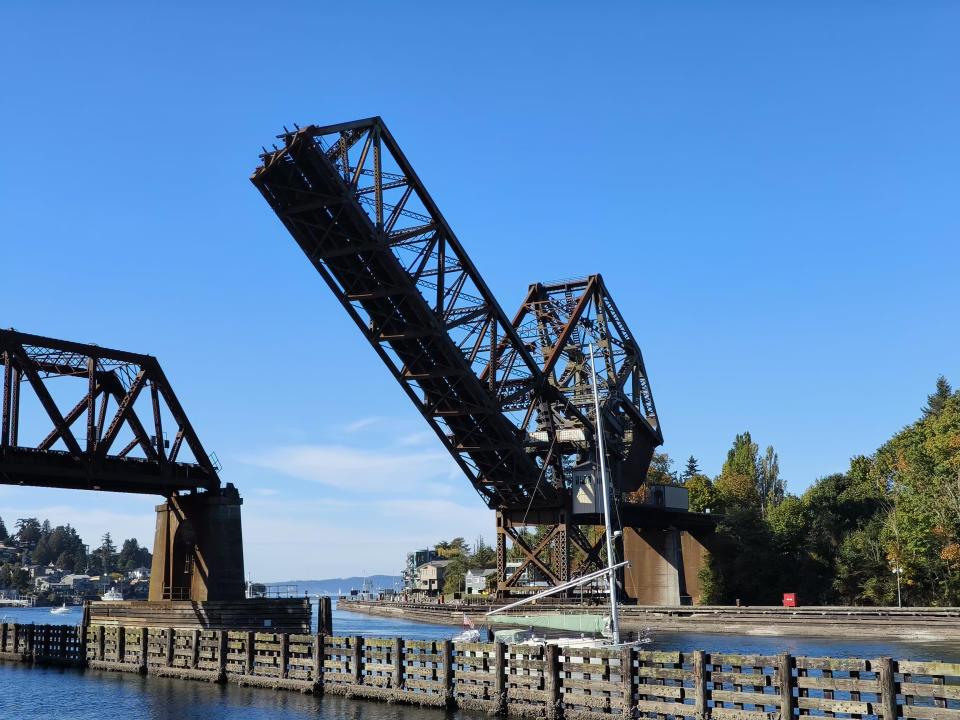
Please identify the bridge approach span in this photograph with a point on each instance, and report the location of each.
(100, 419)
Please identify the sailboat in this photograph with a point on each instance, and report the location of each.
(62, 610)
(608, 628)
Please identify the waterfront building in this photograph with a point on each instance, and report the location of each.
(430, 576)
(475, 581)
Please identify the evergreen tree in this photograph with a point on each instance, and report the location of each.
(690, 470)
(4, 535)
(770, 486)
(133, 556)
(937, 400)
(28, 531)
(107, 552)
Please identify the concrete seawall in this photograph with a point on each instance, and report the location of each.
(841, 622)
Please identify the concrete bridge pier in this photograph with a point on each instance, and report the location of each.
(665, 565)
(198, 547)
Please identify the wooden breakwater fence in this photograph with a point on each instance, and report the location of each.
(523, 680)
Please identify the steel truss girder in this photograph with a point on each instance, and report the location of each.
(32, 361)
(380, 243)
(564, 537)
(558, 321)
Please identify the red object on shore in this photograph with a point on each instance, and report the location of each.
(789, 599)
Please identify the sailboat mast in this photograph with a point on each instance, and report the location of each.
(614, 615)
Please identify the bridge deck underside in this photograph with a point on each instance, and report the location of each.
(355, 259)
(58, 469)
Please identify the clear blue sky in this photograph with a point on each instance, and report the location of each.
(770, 192)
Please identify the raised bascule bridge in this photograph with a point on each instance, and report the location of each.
(510, 398)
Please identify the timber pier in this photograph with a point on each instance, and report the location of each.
(931, 624)
(551, 682)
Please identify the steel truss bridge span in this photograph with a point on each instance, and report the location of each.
(508, 398)
(112, 437)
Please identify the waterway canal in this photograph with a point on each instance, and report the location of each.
(74, 695)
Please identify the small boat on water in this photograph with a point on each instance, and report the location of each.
(62, 610)
(112, 595)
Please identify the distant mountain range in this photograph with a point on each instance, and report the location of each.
(334, 586)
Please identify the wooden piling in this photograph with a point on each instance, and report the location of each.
(500, 677)
(551, 679)
(222, 637)
(446, 662)
(888, 688)
(324, 616)
(101, 630)
(169, 648)
(194, 648)
(144, 650)
(4, 629)
(356, 662)
(82, 630)
(397, 681)
(786, 683)
(284, 655)
(248, 646)
(700, 684)
(318, 657)
(121, 643)
(626, 681)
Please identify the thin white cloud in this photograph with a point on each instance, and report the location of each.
(357, 469)
(418, 438)
(358, 425)
(350, 538)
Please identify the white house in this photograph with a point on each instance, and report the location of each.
(476, 580)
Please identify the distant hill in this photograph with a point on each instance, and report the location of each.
(333, 586)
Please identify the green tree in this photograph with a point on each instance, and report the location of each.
(13, 577)
(660, 471)
(770, 486)
(690, 470)
(742, 564)
(28, 531)
(703, 496)
(452, 548)
(108, 552)
(938, 399)
(4, 535)
(133, 556)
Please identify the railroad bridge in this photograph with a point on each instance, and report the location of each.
(116, 438)
(510, 398)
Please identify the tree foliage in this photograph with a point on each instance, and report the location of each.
(840, 542)
(462, 558)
